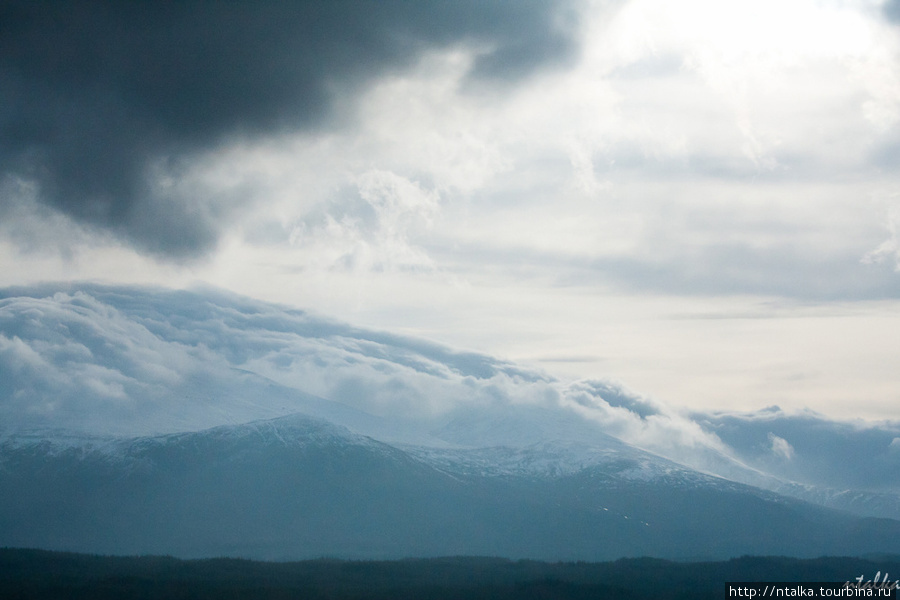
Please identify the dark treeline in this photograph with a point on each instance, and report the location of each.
(38, 574)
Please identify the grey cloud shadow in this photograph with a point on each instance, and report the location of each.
(724, 269)
(891, 10)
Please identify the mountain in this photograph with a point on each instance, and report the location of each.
(299, 487)
(196, 423)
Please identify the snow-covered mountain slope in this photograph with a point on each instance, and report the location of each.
(298, 487)
(85, 365)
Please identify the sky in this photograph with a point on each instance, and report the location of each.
(697, 199)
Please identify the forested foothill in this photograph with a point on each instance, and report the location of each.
(37, 574)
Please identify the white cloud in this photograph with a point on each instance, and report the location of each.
(650, 425)
(780, 447)
(123, 360)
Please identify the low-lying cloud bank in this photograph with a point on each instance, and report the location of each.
(129, 361)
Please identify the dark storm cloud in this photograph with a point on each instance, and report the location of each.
(92, 94)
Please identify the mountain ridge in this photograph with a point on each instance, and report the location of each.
(299, 487)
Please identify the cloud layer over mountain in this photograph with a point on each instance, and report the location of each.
(95, 360)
